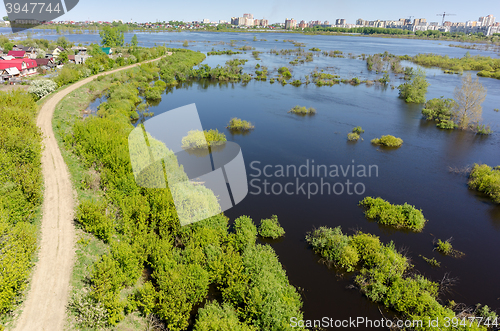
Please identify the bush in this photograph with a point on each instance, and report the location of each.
(358, 130)
(399, 216)
(216, 317)
(285, 72)
(271, 228)
(92, 215)
(388, 140)
(237, 124)
(353, 136)
(203, 139)
(90, 314)
(444, 247)
(487, 180)
(414, 91)
(42, 87)
(440, 111)
(246, 232)
(302, 110)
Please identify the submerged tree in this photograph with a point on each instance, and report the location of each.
(111, 37)
(134, 41)
(469, 97)
(414, 91)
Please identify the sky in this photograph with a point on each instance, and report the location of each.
(278, 10)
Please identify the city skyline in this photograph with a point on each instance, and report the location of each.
(276, 11)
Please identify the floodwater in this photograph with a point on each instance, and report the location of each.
(417, 173)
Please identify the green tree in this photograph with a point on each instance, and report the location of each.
(469, 97)
(111, 37)
(8, 46)
(134, 41)
(5, 18)
(415, 89)
(63, 42)
(63, 57)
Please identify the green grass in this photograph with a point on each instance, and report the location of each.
(237, 124)
(388, 140)
(300, 110)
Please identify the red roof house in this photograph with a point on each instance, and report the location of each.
(26, 67)
(17, 54)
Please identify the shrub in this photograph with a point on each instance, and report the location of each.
(42, 87)
(414, 91)
(216, 317)
(302, 110)
(483, 129)
(285, 72)
(388, 140)
(399, 216)
(358, 130)
(92, 215)
(271, 228)
(485, 179)
(353, 136)
(444, 247)
(237, 124)
(440, 111)
(246, 232)
(203, 139)
(90, 314)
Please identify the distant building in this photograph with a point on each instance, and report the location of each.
(302, 24)
(361, 22)
(420, 21)
(264, 22)
(250, 16)
(340, 21)
(487, 20)
(206, 21)
(290, 24)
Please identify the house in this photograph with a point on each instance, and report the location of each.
(26, 67)
(31, 52)
(7, 57)
(55, 52)
(107, 50)
(79, 50)
(45, 62)
(18, 54)
(17, 48)
(9, 73)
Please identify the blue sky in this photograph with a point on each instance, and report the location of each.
(278, 10)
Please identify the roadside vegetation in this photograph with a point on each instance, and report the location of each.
(21, 196)
(388, 141)
(486, 179)
(398, 216)
(384, 276)
(138, 229)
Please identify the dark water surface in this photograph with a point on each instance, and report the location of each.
(417, 173)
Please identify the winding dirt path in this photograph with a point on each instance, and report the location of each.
(45, 306)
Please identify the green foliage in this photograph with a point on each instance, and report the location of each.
(185, 43)
(20, 157)
(388, 140)
(237, 124)
(226, 52)
(216, 317)
(198, 139)
(91, 314)
(62, 57)
(285, 72)
(271, 228)
(67, 75)
(302, 110)
(399, 216)
(433, 262)
(111, 37)
(487, 66)
(414, 91)
(245, 233)
(440, 111)
(486, 179)
(444, 247)
(353, 136)
(134, 42)
(315, 49)
(94, 219)
(383, 276)
(42, 87)
(8, 47)
(358, 130)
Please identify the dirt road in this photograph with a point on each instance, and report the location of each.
(45, 306)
